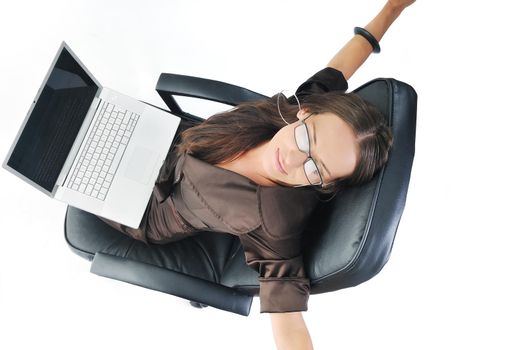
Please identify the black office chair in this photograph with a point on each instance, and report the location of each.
(347, 242)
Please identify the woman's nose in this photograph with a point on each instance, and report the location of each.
(297, 157)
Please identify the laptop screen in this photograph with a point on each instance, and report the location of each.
(54, 123)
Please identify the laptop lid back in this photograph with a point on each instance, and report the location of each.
(52, 124)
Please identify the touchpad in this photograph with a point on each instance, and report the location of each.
(141, 164)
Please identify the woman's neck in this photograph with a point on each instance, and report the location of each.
(249, 164)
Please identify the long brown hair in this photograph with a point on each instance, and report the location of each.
(225, 136)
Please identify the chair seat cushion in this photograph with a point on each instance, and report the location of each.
(237, 273)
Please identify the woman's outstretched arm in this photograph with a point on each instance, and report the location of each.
(357, 50)
(290, 331)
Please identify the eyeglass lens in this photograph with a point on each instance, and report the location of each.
(302, 140)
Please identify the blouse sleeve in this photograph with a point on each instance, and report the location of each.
(284, 286)
(325, 80)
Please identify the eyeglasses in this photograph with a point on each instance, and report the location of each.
(303, 142)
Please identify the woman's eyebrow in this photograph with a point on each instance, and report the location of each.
(315, 143)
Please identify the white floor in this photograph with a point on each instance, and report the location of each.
(456, 278)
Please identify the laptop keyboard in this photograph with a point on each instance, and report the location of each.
(103, 151)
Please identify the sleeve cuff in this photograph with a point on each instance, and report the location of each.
(339, 82)
(325, 80)
(283, 294)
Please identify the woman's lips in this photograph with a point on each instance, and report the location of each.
(278, 163)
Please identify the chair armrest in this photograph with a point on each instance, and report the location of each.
(213, 90)
(171, 282)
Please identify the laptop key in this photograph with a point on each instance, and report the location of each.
(117, 159)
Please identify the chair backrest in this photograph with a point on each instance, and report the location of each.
(349, 238)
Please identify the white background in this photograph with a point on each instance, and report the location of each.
(456, 278)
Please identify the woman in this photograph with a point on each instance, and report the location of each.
(257, 170)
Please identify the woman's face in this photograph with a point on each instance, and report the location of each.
(332, 143)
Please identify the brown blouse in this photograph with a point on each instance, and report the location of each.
(191, 196)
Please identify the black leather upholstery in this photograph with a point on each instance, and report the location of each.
(348, 240)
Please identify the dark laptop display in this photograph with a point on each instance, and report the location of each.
(54, 123)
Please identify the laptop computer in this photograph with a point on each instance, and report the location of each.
(89, 146)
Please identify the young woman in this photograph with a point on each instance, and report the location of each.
(257, 170)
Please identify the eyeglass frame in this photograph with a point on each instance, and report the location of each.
(303, 124)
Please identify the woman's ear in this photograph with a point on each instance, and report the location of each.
(302, 113)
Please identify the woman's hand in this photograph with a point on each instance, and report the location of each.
(401, 4)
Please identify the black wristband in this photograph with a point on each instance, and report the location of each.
(371, 39)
